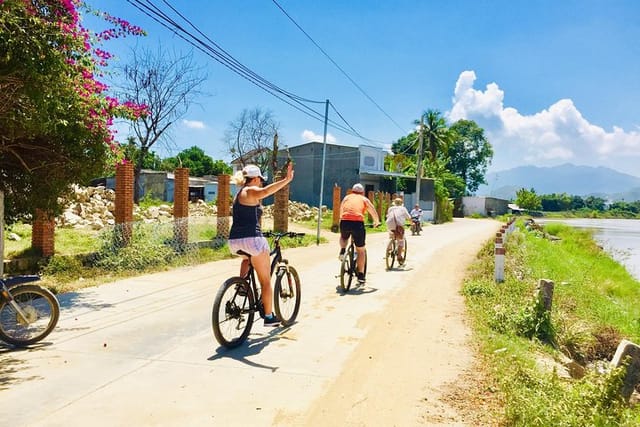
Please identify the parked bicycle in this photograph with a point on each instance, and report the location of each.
(349, 268)
(391, 254)
(239, 298)
(28, 312)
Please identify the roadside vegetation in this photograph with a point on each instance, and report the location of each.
(553, 370)
(86, 258)
(571, 206)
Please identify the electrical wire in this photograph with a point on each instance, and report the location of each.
(213, 50)
(338, 66)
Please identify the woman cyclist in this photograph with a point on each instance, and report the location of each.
(246, 234)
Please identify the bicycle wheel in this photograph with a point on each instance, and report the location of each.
(404, 241)
(347, 269)
(232, 315)
(286, 302)
(40, 308)
(390, 257)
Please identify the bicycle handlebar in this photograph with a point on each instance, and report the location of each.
(278, 234)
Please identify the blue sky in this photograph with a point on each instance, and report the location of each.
(551, 82)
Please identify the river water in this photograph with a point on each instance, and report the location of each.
(619, 237)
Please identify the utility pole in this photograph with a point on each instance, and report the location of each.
(324, 150)
(419, 168)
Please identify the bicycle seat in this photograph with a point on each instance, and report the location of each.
(243, 253)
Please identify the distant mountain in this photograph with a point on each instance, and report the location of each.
(571, 179)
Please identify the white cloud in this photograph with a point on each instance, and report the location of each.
(194, 124)
(558, 134)
(310, 136)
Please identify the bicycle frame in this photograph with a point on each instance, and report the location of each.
(276, 261)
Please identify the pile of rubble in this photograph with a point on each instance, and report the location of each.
(94, 207)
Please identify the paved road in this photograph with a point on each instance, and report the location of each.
(141, 352)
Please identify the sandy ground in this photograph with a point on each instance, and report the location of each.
(140, 351)
(399, 373)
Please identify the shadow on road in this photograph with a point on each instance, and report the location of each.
(10, 366)
(252, 347)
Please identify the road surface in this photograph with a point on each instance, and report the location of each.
(141, 352)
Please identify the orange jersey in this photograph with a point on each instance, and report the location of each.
(353, 207)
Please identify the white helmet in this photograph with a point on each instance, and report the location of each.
(357, 188)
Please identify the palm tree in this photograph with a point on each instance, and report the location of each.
(436, 134)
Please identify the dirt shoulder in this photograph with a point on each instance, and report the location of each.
(409, 366)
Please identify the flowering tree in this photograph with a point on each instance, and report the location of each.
(55, 114)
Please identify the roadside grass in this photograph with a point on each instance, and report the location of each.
(595, 305)
(86, 258)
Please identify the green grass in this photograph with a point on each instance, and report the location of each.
(151, 249)
(595, 305)
(68, 241)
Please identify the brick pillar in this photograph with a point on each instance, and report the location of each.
(379, 206)
(371, 198)
(335, 224)
(181, 206)
(387, 199)
(281, 206)
(124, 203)
(223, 205)
(42, 233)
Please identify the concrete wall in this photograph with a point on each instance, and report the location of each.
(485, 206)
(341, 168)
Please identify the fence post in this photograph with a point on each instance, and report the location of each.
(43, 233)
(223, 206)
(545, 293)
(379, 205)
(124, 203)
(371, 197)
(628, 354)
(181, 206)
(335, 224)
(281, 206)
(499, 265)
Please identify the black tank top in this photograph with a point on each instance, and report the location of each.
(246, 220)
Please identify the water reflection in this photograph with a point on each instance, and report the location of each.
(619, 237)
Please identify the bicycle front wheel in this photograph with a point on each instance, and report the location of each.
(38, 315)
(232, 315)
(390, 257)
(286, 291)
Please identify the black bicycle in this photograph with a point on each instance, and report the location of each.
(349, 266)
(28, 312)
(239, 298)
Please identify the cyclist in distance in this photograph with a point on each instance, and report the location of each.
(353, 208)
(416, 212)
(246, 234)
(397, 214)
(416, 217)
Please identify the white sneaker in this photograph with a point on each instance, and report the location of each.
(342, 257)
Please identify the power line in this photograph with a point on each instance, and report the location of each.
(213, 50)
(338, 66)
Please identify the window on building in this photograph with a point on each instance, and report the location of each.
(369, 161)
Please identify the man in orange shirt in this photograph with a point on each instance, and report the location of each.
(352, 212)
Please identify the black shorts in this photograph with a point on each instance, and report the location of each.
(353, 229)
